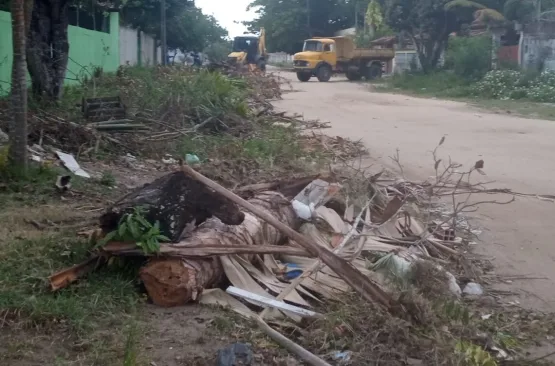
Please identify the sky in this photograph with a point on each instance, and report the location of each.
(227, 12)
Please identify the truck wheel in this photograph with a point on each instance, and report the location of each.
(374, 72)
(304, 76)
(324, 73)
(353, 76)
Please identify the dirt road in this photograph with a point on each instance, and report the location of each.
(519, 154)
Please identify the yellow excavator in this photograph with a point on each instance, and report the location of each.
(250, 50)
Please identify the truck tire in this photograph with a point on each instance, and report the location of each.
(374, 72)
(353, 75)
(304, 76)
(324, 73)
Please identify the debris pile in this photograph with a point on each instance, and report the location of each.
(285, 249)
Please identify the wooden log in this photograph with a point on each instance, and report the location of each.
(176, 281)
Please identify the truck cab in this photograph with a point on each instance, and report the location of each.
(322, 57)
(316, 53)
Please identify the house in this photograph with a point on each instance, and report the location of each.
(529, 46)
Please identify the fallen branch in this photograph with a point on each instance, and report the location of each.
(354, 278)
(289, 345)
(66, 276)
(196, 251)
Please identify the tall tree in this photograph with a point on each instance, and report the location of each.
(18, 128)
(428, 23)
(188, 29)
(287, 25)
(48, 47)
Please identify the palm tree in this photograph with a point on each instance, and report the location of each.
(18, 128)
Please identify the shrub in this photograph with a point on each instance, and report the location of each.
(469, 57)
(510, 84)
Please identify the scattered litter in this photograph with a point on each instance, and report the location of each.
(264, 301)
(169, 160)
(486, 316)
(391, 265)
(71, 164)
(63, 182)
(342, 356)
(282, 124)
(453, 285)
(473, 288)
(192, 159)
(235, 355)
(302, 210)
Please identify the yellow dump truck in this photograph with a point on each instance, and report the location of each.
(250, 50)
(323, 57)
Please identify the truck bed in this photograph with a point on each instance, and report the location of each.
(374, 53)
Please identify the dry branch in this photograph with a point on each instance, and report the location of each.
(362, 284)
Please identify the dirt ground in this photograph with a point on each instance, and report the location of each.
(518, 154)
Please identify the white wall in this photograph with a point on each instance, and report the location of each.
(534, 47)
(129, 48)
(280, 58)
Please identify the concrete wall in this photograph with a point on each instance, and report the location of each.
(5, 52)
(88, 49)
(280, 58)
(403, 59)
(138, 51)
(534, 48)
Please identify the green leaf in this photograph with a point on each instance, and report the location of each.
(105, 240)
(163, 238)
(122, 229)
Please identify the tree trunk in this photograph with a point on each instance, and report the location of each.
(175, 201)
(176, 281)
(18, 129)
(48, 47)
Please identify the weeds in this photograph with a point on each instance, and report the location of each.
(134, 228)
(444, 83)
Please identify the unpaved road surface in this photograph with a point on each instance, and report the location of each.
(519, 154)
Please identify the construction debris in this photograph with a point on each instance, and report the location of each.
(71, 164)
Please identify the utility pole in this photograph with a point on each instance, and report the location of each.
(163, 32)
(308, 18)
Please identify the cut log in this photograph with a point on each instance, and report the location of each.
(174, 200)
(175, 281)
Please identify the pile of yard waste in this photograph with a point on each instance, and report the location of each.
(349, 265)
(276, 252)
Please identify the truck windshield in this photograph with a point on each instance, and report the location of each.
(313, 46)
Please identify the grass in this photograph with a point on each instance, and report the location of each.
(39, 325)
(447, 85)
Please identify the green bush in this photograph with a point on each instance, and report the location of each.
(469, 57)
(511, 84)
(218, 52)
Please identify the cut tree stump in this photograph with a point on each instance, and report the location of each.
(174, 200)
(175, 281)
